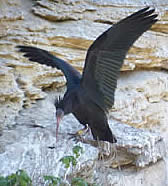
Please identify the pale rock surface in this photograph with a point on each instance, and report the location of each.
(28, 147)
(67, 28)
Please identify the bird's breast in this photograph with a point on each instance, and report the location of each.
(89, 112)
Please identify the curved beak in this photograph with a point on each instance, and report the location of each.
(59, 116)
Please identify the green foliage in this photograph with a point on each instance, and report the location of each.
(77, 150)
(20, 178)
(52, 180)
(68, 160)
(3, 181)
(72, 160)
(78, 182)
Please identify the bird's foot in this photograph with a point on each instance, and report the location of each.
(107, 151)
(75, 137)
(78, 135)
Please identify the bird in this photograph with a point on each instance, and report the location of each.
(90, 95)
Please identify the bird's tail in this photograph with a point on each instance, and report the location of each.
(104, 135)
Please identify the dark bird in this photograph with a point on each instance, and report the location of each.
(89, 96)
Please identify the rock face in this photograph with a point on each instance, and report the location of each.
(67, 28)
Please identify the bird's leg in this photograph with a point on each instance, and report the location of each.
(107, 150)
(78, 135)
(83, 131)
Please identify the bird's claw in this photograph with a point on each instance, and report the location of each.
(78, 135)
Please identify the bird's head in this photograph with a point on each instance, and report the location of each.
(59, 112)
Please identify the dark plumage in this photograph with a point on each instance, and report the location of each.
(90, 95)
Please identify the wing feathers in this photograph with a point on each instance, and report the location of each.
(136, 14)
(106, 55)
(43, 57)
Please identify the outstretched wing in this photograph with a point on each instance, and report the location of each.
(43, 57)
(106, 55)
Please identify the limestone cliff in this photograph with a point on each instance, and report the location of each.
(66, 28)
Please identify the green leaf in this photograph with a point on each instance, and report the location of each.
(77, 150)
(74, 162)
(67, 160)
(54, 181)
(20, 178)
(12, 179)
(23, 176)
(52, 178)
(78, 182)
(3, 181)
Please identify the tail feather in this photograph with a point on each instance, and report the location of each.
(103, 135)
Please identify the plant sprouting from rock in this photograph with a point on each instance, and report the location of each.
(72, 160)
